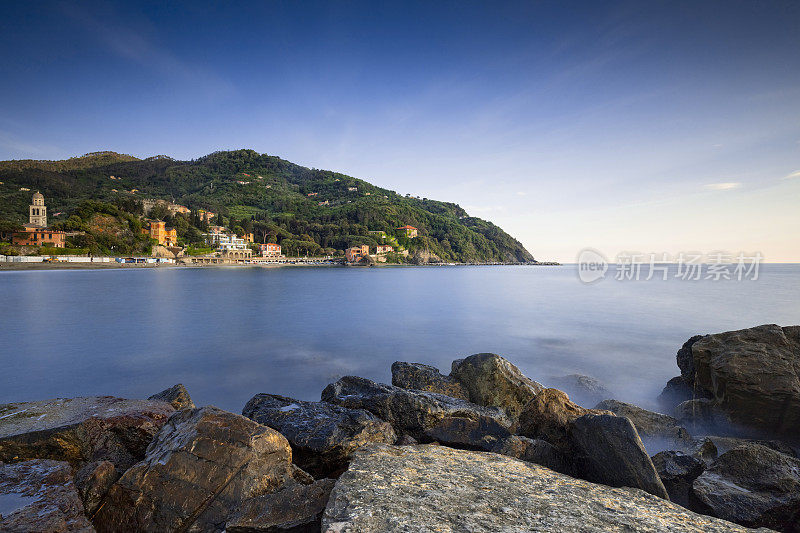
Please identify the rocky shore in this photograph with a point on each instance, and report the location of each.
(483, 448)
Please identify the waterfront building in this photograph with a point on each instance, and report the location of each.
(356, 253)
(36, 232)
(158, 230)
(270, 249)
(384, 249)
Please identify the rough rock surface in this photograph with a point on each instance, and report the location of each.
(200, 467)
(608, 450)
(723, 444)
(702, 415)
(549, 415)
(533, 451)
(93, 481)
(78, 430)
(753, 375)
(678, 471)
(295, 509)
(492, 381)
(677, 391)
(417, 376)
(655, 429)
(685, 359)
(423, 415)
(177, 396)
(39, 495)
(754, 486)
(435, 488)
(323, 435)
(583, 390)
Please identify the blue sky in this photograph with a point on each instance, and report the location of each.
(623, 126)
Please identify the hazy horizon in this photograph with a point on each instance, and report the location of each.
(622, 126)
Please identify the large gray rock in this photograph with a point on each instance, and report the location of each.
(685, 359)
(583, 390)
(424, 377)
(177, 396)
(39, 495)
(323, 435)
(549, 416)
(703, 415)
(723, 444)
(752, 485)
(534, 451)
(93, 481)
(608, 450)
(677, 390)
(492, 381)
(435, 488)
(678, 471)
(657, 431)
(202, 465)
(78, 430)
(295, 509)
(426, 416)
(753, 375)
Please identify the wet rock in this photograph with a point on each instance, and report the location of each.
(533, 451)
(295, 509)
(657, 431)
(752, 485)
(492, 381)
(723, 444)
(702, 448)
(202, 465)
(435, 488)
(678, 471)
(702, 416)
(423, 415)
(39, 495)
(78, 430)
(322, 435)
(549, 416)
(685, 359)
(608, 450)
(177, 396)
(424, 377)
(753, 375)
(93, 481)
(677, 391)
(583, 390)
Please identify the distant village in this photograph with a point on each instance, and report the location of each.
(226, 247)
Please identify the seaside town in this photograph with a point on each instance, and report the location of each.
(44, 244)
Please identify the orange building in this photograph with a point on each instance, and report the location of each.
(410, 231)
(36, 232)
(355, 253)
(159, 231)
(270, 249)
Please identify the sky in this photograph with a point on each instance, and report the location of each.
(652, 127)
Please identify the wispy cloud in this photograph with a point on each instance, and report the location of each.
(726, 186)
(793, 175)
(20, 148)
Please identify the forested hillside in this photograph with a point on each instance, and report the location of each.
(306, 210)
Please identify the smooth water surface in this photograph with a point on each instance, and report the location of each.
(229, 333)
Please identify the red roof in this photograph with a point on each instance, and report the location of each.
(406, 227)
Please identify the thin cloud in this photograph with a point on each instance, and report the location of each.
(793, 175)
(726, 186)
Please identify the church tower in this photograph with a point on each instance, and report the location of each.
(37, 212)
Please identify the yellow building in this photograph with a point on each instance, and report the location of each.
(159, 231)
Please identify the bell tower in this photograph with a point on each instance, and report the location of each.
(37, 212)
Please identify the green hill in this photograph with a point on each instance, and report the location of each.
(306, 210)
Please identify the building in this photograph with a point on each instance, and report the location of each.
(248, 237)
(381, 234)
(384, 249)
(410, 231)
(229, 245)
(162, 233)
(36, 232)
(355, 253)
(270, 250)
(206, 216)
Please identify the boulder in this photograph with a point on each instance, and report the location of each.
(322, 435)
(753, 375)
(417, 376)
(678, 471)
(608, 450)
(492, 381)
(702, 448)
(202, 465)
(723, 444)
(677, 391)
(39, 495)
(406, 440)
(752, 485)
(295, 509)
(434, 488)
(685, 359)
(78, 430)
(93, 481)
(177, 396)
(657, 431)
(533, 451)
(426, 416)
(583, 390)
(703, 415)
(549, 415)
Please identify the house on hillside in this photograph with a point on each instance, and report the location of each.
(410, 231)
(384, 249)
(36, 232)
(158, 230)
(356, 253)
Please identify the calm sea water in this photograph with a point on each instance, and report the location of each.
(229, 333)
